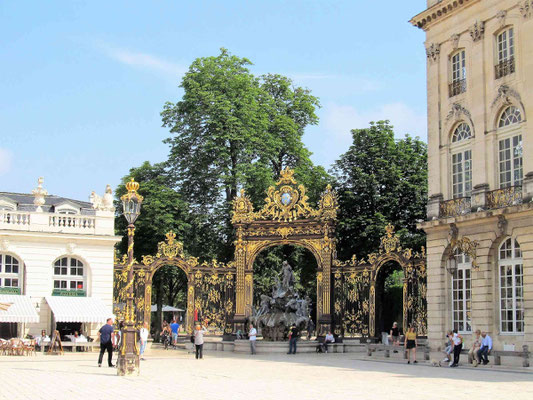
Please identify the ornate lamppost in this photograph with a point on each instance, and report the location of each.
(128, 358)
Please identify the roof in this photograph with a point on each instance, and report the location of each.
(79, 309)
(25, 202)
(438, 11)
(19, 309)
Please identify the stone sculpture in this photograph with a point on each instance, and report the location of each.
(284, 308)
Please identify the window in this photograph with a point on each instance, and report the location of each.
(10, 271)
(510, 161)
(462, 294)
(505, 52)
(461, 162)
(511, 287)
(69, 274)
(458, 64)
(510, 116)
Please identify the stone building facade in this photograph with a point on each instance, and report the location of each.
(56, 263)
(480, 158)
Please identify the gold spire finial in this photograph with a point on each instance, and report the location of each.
(287, 176)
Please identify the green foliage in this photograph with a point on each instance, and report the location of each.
(267, 266)
(233, 130)
(380, 180)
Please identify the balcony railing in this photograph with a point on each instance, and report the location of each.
(506, 197)
(455, 207)
(72, 221)
(14, 218)
(504, 68)
(457, 87)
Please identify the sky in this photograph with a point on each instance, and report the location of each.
(82, 83)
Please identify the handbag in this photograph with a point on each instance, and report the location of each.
(192, 339)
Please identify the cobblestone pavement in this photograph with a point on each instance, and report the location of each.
(175, 374)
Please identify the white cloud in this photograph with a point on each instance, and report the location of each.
(5, 161)
(337, 121)
(144, 61)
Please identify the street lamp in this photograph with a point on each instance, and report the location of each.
(128, 356)
(451, 266)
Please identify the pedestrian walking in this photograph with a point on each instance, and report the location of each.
(174, 327)
(199, 340)
(294, 333)
(143, 335)
(411, 344)
(106, 336)
(457, 347)
(252, 335)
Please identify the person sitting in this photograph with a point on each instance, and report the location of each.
(476, 345)
(484, 350)
(395, 334)
(328, 339)
(448, 349)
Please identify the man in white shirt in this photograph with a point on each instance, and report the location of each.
(328, 339)
(484, 350)
(143, 334)
(252, 335)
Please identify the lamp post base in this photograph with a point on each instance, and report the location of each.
(128, 357)
(128, 365)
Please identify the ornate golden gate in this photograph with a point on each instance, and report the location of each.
(355, 283)
(210, 287)
(286, 218)
(223, 293)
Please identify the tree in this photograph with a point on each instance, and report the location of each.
(380, 180)
(232, 130)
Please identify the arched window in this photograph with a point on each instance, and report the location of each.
(69, 274)
(10, 272)
(461, 161)
(462, 294)
(511, 287)
(510, 116)
(510, 148)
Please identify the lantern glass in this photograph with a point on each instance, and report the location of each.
(132, 209)
(452, 265)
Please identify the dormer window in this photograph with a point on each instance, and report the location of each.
(67, 208)
(7, 204)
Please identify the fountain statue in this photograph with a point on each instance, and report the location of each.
(278, 312)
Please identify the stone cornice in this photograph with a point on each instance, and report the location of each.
(444, 8)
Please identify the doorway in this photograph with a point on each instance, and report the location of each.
(389, 298)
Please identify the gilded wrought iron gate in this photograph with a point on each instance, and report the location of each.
(210, 287)
(355, 283)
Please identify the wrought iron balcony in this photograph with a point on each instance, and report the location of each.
(457, 87)
(504, 68)
(506, 197)
(455, 207)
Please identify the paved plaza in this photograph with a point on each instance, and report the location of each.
(176, 374)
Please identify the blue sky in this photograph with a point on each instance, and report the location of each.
(82, 83)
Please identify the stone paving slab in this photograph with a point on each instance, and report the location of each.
(175, 374)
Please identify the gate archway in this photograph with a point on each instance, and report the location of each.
(285, 219)
(355, 284)
(210, 287)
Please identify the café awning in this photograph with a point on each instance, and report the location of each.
(17, 308)
(79, 309)
(166, 308)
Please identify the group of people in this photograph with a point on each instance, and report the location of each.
(478, 353)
